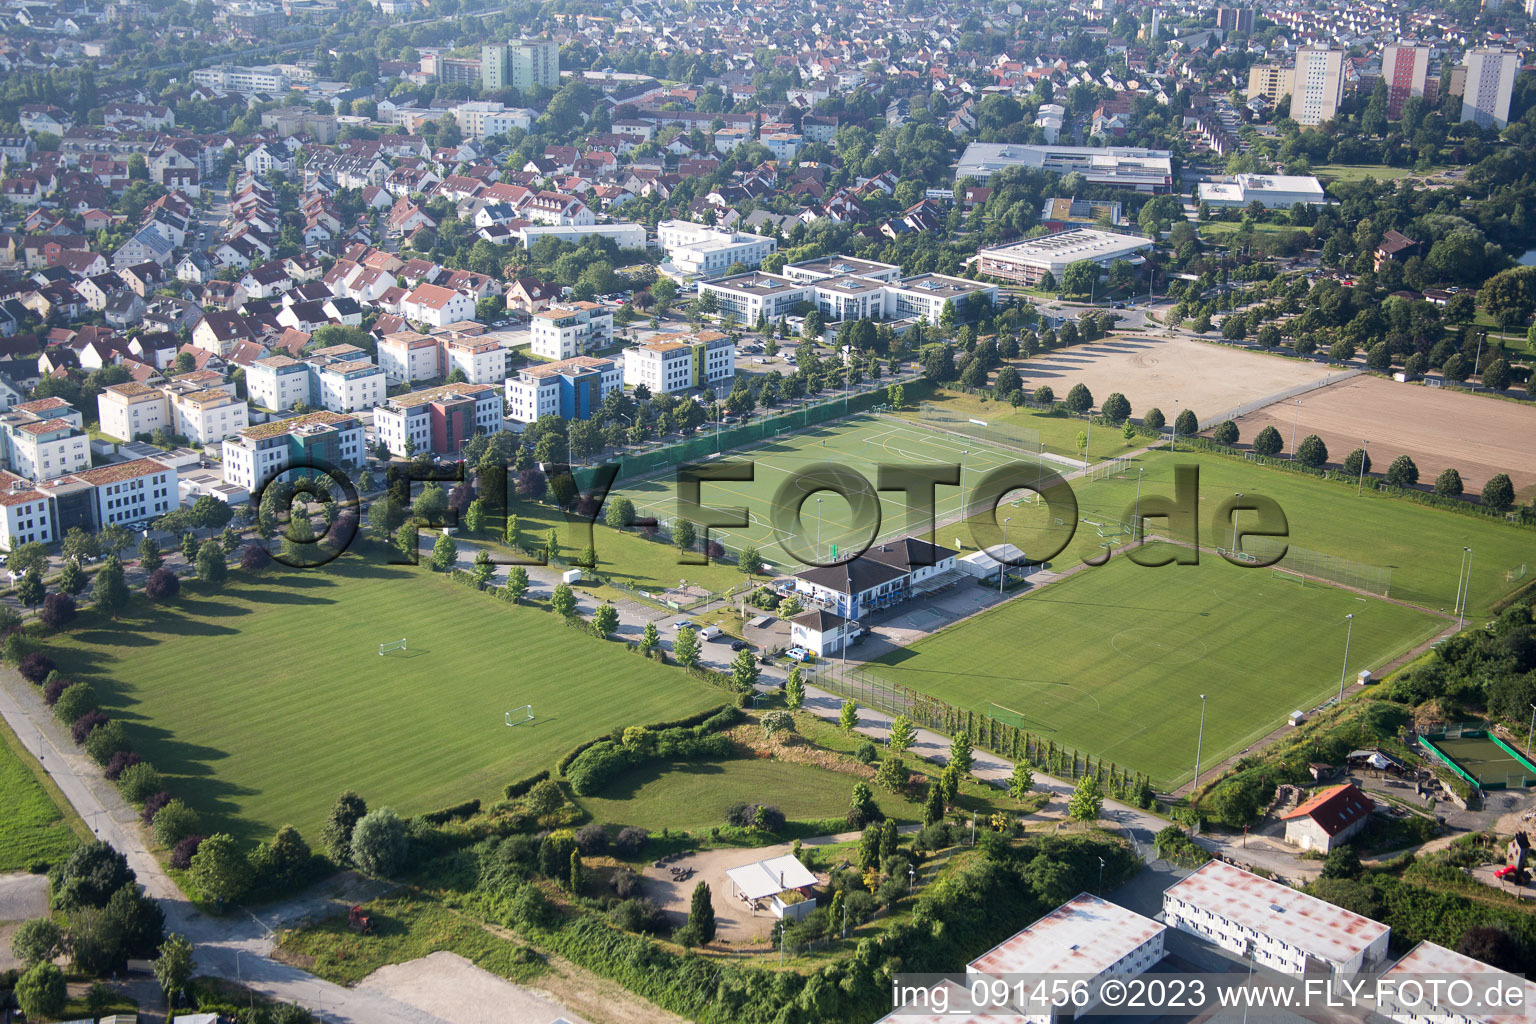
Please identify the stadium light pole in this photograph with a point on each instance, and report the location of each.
(1344, 671)
(1461, 571)
(818, 529)
(1006, 521)
(1466, 593)
(1530, 731)
(1136, 524)
(1365, 451)
(1295, 419)
(1235, 512)
(1199, 742)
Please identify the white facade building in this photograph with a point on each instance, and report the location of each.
(276, 383)
(1144, 170)
(1281, 928)
(128, 411)
(26, 517)
(1490, 84)
(1086, 939)
(676, 362)
(571, 329)
(257, 454)
(1028, 262)
(1317, 85)
(700, 250)
(1275, 191)
(1426, 961)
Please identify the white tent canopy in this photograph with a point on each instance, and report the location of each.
(985, 561)
(770, 877)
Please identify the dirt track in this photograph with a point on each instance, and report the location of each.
(1170, 373)
(1479, 436)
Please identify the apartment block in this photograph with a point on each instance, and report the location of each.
(520, 65)
(1490, 83)
(1317, 86)
(570, 329)
(572, 388)
(1405, 69)
(1271, 81)
(677, 362)
(321, 439)
(438, 419)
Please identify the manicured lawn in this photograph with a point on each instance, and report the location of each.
(265, 700)
(1422, 546)
(622, 555)
(1219, 230)
(32, 826)
(1057, 433)
(693, 795)
(1113, 661)
(1349, 172)
(779, 488)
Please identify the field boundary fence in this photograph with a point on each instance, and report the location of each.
(1373, 579)
(1237, 412)
(1010, 435)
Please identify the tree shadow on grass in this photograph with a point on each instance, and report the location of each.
(189, 607)
(283, 595)
(125, 637)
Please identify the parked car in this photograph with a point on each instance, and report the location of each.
(680, 623)
(798, 654)
(739, 645)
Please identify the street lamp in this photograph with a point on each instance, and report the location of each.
(1100, 889)
(1199, 742)
(1365, 449)
(1349, 633)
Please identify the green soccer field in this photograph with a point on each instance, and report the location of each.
(265, 700)
(861, 444)
(1112, 661)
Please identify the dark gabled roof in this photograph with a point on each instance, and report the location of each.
(818, 620)
(852, 577)
(909, 553)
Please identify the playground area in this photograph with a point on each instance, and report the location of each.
(1481, 758)
(1436, 427)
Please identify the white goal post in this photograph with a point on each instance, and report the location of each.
(520, 715)
(393, 645)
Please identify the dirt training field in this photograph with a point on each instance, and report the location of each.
(1169, 373)
(1478, 436)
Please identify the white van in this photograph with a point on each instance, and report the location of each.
(709, 632)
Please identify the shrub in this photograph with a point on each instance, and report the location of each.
(1498, 492)
(639, 915)
(121, 761)
(138, 782)
(1225, 433)
(162, 585)
(867, 753)
(630, 840)
(53, 689)
(379, 843)
(1268, 441)
(625, 883)
(152, 805)
(174, 822)
(254, 558)
(592, 840)
(35, 667)
(183, 851)
(768, 818)
(75, 701)
(87, 724)
(58, 611)
(545, 797)
(103, 743)
(1153, 420)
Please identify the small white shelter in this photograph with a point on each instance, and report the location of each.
(765, 881)
(984, 562)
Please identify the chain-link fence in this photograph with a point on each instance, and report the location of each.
(1372, 579)
(1010, 435)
